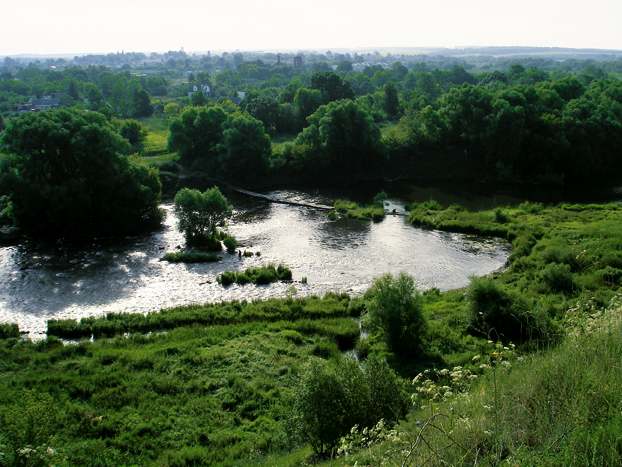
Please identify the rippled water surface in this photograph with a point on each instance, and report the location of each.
(42, 281)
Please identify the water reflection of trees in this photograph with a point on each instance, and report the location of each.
(344, 233)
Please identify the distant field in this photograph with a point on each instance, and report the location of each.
(157, 138)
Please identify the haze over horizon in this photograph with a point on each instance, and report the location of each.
(75, 27)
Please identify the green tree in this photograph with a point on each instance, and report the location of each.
(197, 133)
(391, 100)
(67, 177)
(331, 84)
(344, 66)
(142, 104)
(262, 108)
(395, 312)
(330, 401)
(200, 214)
(134, 132)
(318, 406)
(306, 102)
(94, 95)
(342, 139)
(388, 398)
(198, 99)
(246, 148)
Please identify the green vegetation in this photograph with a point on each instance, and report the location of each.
(200, 215)
(560, 407)
(211, 395)
(188, 257)
(520, 366)
(395, 314)
(261, 276)
(355, 211)
(330, 401)
(66, 177)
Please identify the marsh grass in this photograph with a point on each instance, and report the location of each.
(211, 314)
(195, 395)
(353, 210)
(260, 276)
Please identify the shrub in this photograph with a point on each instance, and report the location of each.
(500, 216)
(285, 274)
(558, 277)
(332, 215)
(380, 197)
(362, 348)
(495, 312)
(200, 214)
(230, 243)
(8, 330)
(330, 402)
(226, 278)
(395, 311)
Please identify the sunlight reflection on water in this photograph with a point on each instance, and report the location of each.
(43, 281)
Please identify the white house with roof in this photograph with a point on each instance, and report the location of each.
(204, 88)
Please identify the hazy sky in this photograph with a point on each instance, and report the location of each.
(96, 26)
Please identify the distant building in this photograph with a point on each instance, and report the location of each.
(204, 88)
(278, 61)
(297, 61)
(36, 105)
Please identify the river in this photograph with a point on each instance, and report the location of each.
(40, 281)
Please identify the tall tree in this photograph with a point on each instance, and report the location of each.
(68, 179)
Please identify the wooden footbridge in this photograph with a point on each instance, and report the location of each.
(274, 199)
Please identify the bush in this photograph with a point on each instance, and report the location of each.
(395, 311)
(330, 402)
(226, 278)
(495, 312)
(558, 277)
(8, 330)
(200, 215)
(230, 243)
(262, 276)
(380, 197)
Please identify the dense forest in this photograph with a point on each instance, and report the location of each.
(433, 117)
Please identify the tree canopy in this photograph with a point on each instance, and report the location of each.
(342, 139)
(67, 178)
(200, 214)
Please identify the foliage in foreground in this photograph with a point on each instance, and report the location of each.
(197, 395)
(395, 312)
(330, 401)
(554, 408)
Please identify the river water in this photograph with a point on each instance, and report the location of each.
(40, 281)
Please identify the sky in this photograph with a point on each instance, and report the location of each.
(78, 27)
